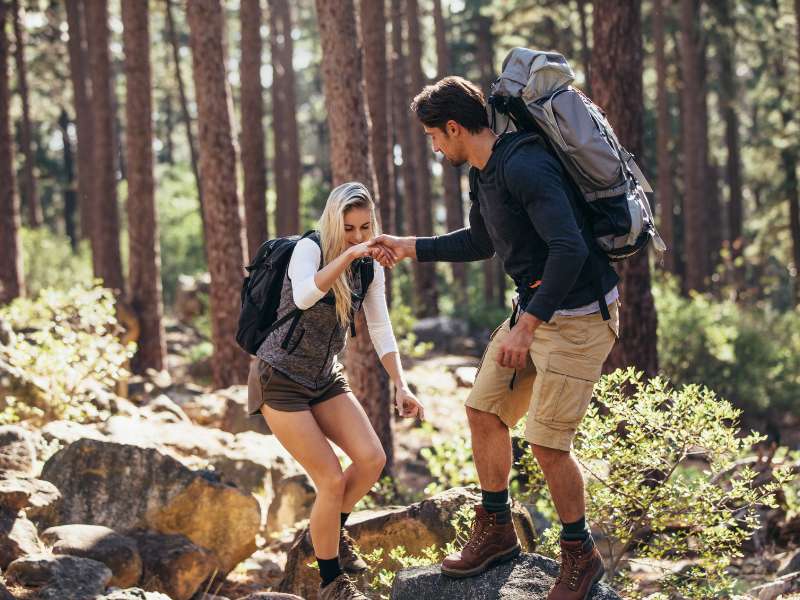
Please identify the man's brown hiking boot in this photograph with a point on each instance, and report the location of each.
(349, 560)
(490, 543)
(581, 568)
(341, 588)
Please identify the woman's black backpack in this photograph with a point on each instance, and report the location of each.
(261, 290)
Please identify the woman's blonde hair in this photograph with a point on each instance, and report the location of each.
(331, 227)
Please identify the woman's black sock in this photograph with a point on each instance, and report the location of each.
(329, 569)
(344, 518)
(575, 531)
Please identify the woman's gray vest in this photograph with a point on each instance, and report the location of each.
(305, 349)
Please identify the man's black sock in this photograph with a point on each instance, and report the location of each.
(329, 569)
(344, 518)
(495, 502)
(575, 531)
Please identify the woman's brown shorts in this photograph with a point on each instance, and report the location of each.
(268, 385)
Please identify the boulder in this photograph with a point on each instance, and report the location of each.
(440, 330)
(166, 410)
(128, 487)
(527, 577)
(36, 496)
(118, 552)
(18, 537)
(132, 594)
(234, 412)
(270, 596)
(17, 449)
(66, 432)
(60, 577)
(785, 586)
(173, 565)
(191, 297)
(293, 499)
(414, 527)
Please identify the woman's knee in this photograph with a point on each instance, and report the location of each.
(373, 462)
(331, 483)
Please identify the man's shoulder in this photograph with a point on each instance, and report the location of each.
(527, 157)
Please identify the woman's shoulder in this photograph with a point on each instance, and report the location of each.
(307, 248)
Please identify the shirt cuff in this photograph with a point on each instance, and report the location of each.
(541, 309)
(426, 249)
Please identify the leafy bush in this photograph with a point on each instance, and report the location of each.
(59, 342)
(748, 355)
(49, 262)
(662, 481)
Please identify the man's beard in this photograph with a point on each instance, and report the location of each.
(456, 162)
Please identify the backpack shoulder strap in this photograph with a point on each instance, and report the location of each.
(473, 183)
(314, 235)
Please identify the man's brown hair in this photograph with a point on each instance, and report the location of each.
(452, 98)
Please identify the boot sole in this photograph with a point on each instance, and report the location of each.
(485, 565)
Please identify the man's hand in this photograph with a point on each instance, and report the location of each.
(402, 247)
(513, 351)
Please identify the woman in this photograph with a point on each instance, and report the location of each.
(298, 385)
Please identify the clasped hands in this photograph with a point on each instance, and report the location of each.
(388, 250)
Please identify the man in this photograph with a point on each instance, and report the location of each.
(547, 357)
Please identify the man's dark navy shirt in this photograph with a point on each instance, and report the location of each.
(525, 210)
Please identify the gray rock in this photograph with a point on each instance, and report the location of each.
(528, 577)
(132, 594)
(60, 577)
(18, 537)
(118, 552)
(34, 495)
(270, 596)
(293, 499)
(127, 487)
(173, 565)
(792, 566)
(166, 409)
(17, 449)
(67, 432)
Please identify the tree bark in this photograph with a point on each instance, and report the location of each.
(664, 191)
(30, 195)
(402, 121)
(70, 197)
(451, 176)
(376, 79)
(425, 273)
(144, 246)
(186, 116)
(617, 86)
(695, 247)
(586, 53)
(83, 118)
(11, 282)
(254, 160)
(343, 84)
(224, 235)
(713, 223)
(105, 221)
(284, 120)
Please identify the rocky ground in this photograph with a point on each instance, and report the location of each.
(177, 494)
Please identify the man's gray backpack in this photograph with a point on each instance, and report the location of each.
(534, 90)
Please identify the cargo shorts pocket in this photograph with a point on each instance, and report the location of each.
(562, 392)
(489, 343)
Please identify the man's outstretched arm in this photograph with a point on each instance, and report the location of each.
(463, 245)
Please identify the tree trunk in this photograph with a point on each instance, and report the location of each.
(402, 120)
(224, 235)
(169, 125)
(105, 227)
(664, 191)
(586, 53)
(343, 83)
(78, 61)
(376, 79)
(11, 282)
(144, 246)
(695, 248)
(70, 198)
(617, 86)
(31, 198)
(713, 223)
(425, 273)
(284, 120)
(186, 116)
(493, 294)
(254, 161)
(451, 176)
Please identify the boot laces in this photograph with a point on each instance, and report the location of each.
(570, 570)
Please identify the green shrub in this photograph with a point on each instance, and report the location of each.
(662, 483)
(60, 341)
(748, 355)
(49, 262)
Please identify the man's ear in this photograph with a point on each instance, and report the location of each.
(451, 127)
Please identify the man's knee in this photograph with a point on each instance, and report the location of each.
(480, 420)
(549, 457)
